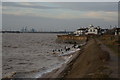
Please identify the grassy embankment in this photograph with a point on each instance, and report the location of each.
(112, 41)
(91, 63)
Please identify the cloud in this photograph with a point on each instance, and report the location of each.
(58, 15)
(80, 6)
(61, 13)
(102, 11)
(31, 5)
(18, 22)
(60, 1)
(107, 16)
(90, 6)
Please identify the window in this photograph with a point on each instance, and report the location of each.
(90, 30)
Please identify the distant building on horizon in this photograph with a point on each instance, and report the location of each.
(80, 31)
(91, 30)
(117, 31)
(26, 29)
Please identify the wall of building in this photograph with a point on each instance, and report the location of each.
(92, 31)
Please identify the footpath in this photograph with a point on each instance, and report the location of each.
(96, 61)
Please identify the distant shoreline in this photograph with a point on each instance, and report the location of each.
(33, 32)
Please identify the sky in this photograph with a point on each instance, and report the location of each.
(58, 16)
(60, 0)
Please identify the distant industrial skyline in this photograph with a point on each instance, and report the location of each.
(58, 16)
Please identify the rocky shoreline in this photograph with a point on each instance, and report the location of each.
(61, 71)
(58, 73)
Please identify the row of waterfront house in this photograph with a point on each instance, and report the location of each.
(92, 30)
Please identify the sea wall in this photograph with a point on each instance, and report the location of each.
(71, 39)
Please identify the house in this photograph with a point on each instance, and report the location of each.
(80, 31)
(117, 31)
(103, 31)
(93, 30)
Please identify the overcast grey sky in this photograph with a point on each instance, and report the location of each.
(56, 16)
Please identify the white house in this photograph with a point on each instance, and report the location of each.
(88, 31)
(93, 30)
(117, 31)
(103, 31)
(80, 31)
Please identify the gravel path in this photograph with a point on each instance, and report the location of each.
(113, 63)
(93, 61)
